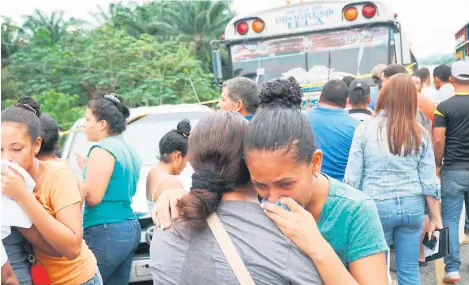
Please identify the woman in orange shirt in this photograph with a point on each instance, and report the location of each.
(54, 205)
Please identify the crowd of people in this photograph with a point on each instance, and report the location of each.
(277, 196)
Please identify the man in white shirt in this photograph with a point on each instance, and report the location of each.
(441, 76)
(427, 90)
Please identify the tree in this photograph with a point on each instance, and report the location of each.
(55, 24)
(61, 107)
(12, 39)
(143, 71)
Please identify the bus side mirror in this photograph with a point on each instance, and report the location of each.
(216, 66)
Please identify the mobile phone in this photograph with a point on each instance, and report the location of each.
(430, 243)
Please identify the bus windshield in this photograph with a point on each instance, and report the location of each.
(315, 57)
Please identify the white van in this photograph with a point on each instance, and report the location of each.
(147, 125)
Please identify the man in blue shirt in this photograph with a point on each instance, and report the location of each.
(333, 128)
(240, 94)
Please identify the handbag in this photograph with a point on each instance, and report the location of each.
(229, 250)
(39, 274)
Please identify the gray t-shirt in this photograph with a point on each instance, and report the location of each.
(185, 257)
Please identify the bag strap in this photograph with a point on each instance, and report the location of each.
(229, 250)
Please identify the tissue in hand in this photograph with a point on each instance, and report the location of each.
(12, 213)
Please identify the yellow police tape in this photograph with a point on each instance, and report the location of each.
(408, 67)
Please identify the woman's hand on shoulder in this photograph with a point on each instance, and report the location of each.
(165, 208)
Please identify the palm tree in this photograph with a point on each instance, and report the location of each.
(12, 39)
(115, 16)
(55, 24)
(198, 22)
(134, 18)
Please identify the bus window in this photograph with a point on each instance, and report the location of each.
(354, 52)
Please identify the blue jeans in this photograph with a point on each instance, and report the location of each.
(466, 202)
(114, 246)
(402, 220)
(454, 184)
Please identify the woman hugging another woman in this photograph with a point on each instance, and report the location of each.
(53, 207)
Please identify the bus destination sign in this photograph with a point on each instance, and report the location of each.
(304, 17)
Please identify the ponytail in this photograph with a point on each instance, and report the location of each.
(206, 193)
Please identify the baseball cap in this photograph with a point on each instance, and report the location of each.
(460, 70)
(359, 86)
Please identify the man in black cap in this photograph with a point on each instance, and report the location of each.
(359, 98)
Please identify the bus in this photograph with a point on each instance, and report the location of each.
(462, 43)
(311, 41)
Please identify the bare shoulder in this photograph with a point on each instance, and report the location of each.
(171, 182)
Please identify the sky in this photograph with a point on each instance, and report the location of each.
(430, 24)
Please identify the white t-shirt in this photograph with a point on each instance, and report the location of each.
(431, 93)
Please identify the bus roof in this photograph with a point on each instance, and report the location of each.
(306, 17)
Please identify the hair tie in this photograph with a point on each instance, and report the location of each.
(184, 135)
(208, 179)
(21, 105)
(112, 97)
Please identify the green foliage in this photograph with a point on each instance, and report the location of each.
(61, 107)
(149, 54)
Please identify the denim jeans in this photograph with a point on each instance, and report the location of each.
(114, 246)
(95, 280)
(466, 203)
(454, 184)
(402, 220)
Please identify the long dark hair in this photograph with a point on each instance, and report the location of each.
(399, 99)
(216, 154)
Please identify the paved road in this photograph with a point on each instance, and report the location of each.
(428, 274)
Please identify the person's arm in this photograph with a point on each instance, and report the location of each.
(439, 136)
(429, 181)
(65, 231)
(354, 170)
(8, 275)
(166, 197)
(36, 239)
(367, 245)
(99, 170)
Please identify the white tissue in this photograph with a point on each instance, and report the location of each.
(12, 213)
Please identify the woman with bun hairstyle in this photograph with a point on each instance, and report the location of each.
(172, 161)
(111, 171)
(337, 226)
(54, 205)
(188, 253)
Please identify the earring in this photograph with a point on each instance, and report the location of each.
(316, 174)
